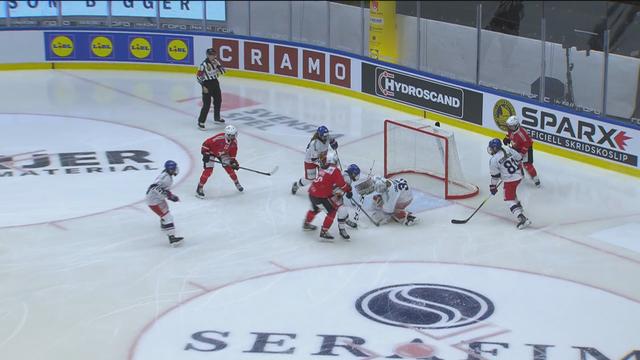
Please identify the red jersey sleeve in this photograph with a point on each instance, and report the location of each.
(520, 140)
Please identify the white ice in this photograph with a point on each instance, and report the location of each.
(85, 288)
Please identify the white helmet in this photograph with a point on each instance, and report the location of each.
(381, 185)
(230, 132)
(513, 123)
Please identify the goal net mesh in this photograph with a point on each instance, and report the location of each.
(422, 149)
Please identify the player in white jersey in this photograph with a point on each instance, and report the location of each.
(350, 175)
(316, 151)
(505, 164)
(392, 198)
(158, 193)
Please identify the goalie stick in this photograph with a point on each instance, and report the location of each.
(376, 223)
(253, 170)
(456, 221)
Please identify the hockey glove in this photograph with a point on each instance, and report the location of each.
(377, 199)
(506, 140)
(493, 189)
(334, 144)
(206, 158)
(233, 163)
(349, 195)
(172, 197)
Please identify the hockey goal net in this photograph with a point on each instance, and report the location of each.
(421, 149)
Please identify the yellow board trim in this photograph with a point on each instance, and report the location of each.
(330, 88)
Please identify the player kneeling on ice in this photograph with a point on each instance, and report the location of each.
(317, 149)
(328, 186)
(505, 164)
(156, 195)
(224, 148)
(390, 203)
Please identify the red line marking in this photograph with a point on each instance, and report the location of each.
(56, 224)
(188, 99)
(201, 287)
(279, 266)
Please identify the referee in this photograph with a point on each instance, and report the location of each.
(207, 76)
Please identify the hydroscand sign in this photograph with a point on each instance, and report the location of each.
(396, 310)
(422, 93)
(565, 130)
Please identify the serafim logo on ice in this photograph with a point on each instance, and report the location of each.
(502, 110)
(140, 47)
(62, 46)
(101, 46)
(177, 49)
(424, 306)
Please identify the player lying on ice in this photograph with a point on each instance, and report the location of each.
(392, 198)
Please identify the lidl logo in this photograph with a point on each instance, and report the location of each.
(140, 47)
(62, 46)
(177, 49)
(101, 46)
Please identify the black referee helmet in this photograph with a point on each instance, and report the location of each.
(210, 51)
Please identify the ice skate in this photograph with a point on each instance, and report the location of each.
(294, 188)
(239, 187)
(523, 222)
(325, 236)
(175, 240)
(351, 224)
(219, 121)
(536, 181)
(410, 220)
(344, 235)
(308, 226)
(200, 192)
(201, 126)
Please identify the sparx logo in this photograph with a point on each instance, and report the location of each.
(569, 131)
(576, 129)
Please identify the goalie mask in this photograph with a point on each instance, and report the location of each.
(382, 185)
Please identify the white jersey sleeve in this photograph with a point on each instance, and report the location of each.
(160, 189)
(505, 165)
(315, 149)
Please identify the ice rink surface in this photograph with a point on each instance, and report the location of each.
(86, 273)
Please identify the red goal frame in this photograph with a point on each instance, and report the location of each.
(472, 189)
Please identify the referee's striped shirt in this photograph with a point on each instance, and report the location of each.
(209, 70)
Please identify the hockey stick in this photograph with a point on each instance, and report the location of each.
(455, 221)
(356, 216)
(253, 170)
(376, 223)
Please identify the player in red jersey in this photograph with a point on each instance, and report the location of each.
(327, 184)
(223, 147)
(522, 143)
